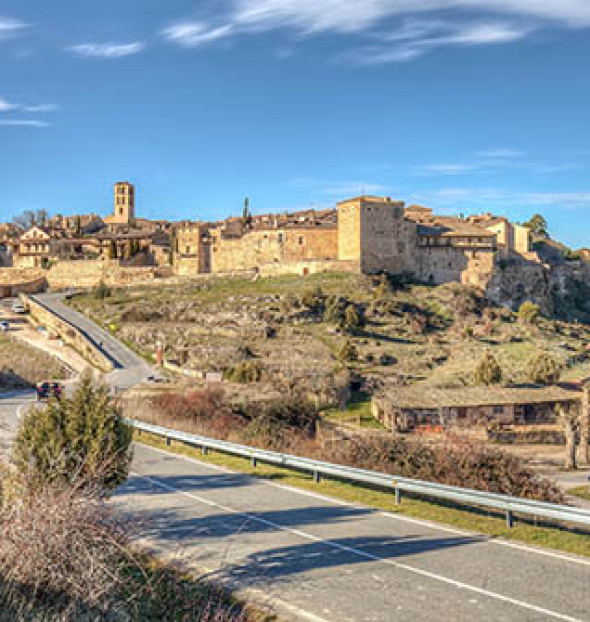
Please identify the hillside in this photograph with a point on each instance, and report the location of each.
(292, 327)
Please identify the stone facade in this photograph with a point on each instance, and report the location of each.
(124, 204)
(374, 234)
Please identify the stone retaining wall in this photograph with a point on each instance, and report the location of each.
(69, 333)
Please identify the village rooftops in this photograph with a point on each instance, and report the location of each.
(448, 226)
(420, 397)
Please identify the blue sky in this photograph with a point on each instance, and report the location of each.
(462, 105)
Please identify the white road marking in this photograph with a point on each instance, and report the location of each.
(425, 573)
(407, 519)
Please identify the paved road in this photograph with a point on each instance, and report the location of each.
(323, 560)
(130, 369)
(13, 406)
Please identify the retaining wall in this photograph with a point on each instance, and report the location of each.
(69, 333)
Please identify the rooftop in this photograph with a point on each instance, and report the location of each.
(428, 398)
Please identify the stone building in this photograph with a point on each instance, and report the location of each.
(124, 205)
(402, 409)
(366, 234)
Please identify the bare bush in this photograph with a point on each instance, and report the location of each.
(62, 551)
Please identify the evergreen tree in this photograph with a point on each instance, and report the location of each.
(538, 225)
(348, 353)
(488, 371)
(543, 369)
(81, 438)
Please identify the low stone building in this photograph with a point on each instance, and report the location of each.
(402, 409)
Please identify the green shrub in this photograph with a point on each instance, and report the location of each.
(102, 291)
(487, 371)
(244, 373)
(352, 320)
(313, 298)
(334, 313)
(82, 438)
(528, 312)
(543, 369)
(348, 353)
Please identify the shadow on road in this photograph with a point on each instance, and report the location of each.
(279, 563)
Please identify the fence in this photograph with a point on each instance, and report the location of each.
(464, 496)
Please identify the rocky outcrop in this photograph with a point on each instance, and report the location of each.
(561, 289)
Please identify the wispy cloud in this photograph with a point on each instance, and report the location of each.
(324, 189)
(9, 106)
(24, 123)
(462, 198)
(446, 169)
(6, 105)
(107, 50)
(504, 153)
(400, 30)
(193, 34)
(9, 25)
(41, 108)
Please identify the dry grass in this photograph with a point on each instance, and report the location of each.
(22, 366)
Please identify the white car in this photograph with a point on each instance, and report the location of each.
(18, 307)
(4, 327)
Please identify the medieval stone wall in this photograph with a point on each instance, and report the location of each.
(446, 264)
(258, 248)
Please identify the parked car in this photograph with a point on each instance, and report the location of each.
(47, 390)
(18, 307)
(4, 327)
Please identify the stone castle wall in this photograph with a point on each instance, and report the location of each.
(446, 264)
(90, 273)
(259, 248)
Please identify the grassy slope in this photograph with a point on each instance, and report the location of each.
(552, 538)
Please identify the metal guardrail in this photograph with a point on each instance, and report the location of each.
(509, 505)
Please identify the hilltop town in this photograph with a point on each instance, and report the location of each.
(363, 235)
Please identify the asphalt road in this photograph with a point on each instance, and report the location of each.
(130, 369)
(322, 560)
(13, 406)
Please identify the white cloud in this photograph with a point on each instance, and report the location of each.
(107, 50)
(498, 198)
(338, 189)
(23, 123)
(402, 30)
(6, 105)
(502, 154)
(8, 25)
(446, 169)
(416, 38)
(193, 34)
(41, 108)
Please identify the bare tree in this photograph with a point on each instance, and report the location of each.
(584, 425)
(30, 218)
(569, 416)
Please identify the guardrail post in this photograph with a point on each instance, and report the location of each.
(316, 477)
(168, 441)
(254, 462)
(509, 519)
(205, 450)
(398, 496)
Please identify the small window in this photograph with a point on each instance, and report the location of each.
(498, 410)
(280, 238)
(300, 241)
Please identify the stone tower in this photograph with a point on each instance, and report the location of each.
(373, 231)
(124, 207)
